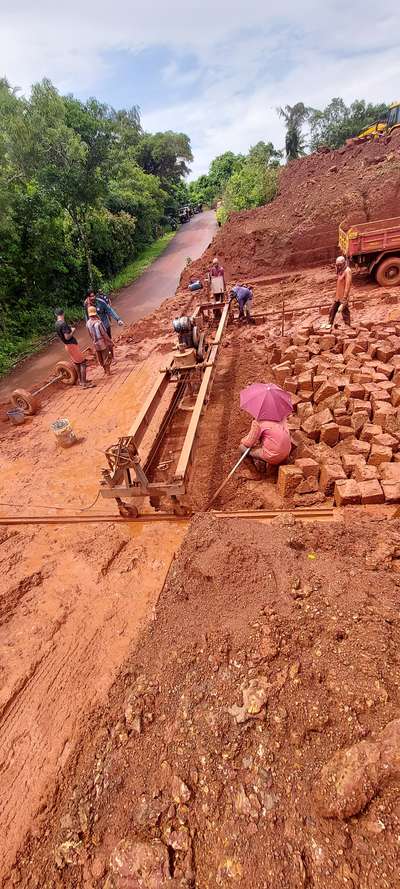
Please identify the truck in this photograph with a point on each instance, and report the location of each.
(381, 127)
(374, 246)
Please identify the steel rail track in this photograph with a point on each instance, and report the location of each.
(322, 513)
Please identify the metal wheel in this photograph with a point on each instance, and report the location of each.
(67, 373)
(388, 272)
(25, 400)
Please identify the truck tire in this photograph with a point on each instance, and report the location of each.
(388, 272)
(67, 372)
(25, 400)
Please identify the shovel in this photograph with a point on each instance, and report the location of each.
(218, 491)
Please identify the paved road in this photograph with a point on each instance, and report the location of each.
(156, 284)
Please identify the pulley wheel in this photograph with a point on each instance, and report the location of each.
(67, 372)
(27, 402)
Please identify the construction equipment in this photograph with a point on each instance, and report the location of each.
(380, 127)
(226, 480)
(65, 373)
(161, 440)
(374, 246)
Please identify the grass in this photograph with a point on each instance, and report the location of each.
(14, 349)
(139, 265)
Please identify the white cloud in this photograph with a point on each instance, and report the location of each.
(249, 57)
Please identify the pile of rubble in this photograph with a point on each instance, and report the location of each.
(345, 387)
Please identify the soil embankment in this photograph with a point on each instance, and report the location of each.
(316, 193)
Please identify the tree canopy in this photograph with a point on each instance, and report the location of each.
(82, 190)
(338, 122)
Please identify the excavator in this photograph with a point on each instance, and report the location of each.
(381, 127)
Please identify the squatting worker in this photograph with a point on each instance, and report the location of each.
(343, 287)
(269, 442)
(217, 281)
(244, 297)
(66, 334)
(101, 340)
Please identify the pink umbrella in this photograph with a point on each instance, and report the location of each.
(266, 401)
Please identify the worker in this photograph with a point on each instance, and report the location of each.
(244, 297)
(217, 281)
(104, 309)
(269, 441)
(343, 287)
(185, 327)
(66, 334)
(101, 340)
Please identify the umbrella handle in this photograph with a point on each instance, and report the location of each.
(218, 491)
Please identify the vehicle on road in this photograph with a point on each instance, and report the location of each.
(375, 246)
(184, 214)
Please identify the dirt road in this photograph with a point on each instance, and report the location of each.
(149, 291)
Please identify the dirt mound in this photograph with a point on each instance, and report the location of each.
(253, 722)
(316, 193)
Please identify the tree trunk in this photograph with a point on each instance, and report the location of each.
(86, 246)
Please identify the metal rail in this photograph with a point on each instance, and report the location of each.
(311, 514)
(204, 392)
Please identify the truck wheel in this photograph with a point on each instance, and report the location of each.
(25, 400)
(388, 272)
(67, 372)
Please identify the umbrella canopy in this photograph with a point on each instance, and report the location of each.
(266, 401)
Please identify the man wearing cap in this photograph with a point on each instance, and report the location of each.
(101, 340)
(217, 281)
(66, 334)
(343, 287)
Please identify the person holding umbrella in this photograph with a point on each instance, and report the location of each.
(269, 437)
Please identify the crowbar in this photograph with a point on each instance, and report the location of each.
(247, 451)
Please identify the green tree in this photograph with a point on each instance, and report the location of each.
(294, 117)
(338, 122)
(165, 155)
(252, 186)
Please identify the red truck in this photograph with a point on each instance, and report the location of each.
(375, 246)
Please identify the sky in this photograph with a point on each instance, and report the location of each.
(214, 69)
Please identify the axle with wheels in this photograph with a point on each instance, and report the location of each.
(28, 402)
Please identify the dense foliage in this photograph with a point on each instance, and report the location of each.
(239, 181)
(338, 122)
(82, 191)
(330, 127)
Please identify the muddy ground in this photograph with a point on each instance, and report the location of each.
(271, 649)
(202, 730)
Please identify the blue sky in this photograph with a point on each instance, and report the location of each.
(216, 70)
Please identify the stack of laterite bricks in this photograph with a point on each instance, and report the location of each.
(346, 426)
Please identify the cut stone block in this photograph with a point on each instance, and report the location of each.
(369, 432)
(391, 491)
(345, 432)
(347, 492)
(364, 473)
(325, 391)
(354, 390)
(330, 473)
(390, 472)
(371, 492)
(289, 478)
(351, 461)
(379, 454)
(330, 434)
(309, 467)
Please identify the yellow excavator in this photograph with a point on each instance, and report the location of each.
(381, 127)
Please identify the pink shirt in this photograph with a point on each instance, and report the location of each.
(272, 437)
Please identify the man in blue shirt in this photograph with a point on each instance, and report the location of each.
(243, 296)
(103, 308)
